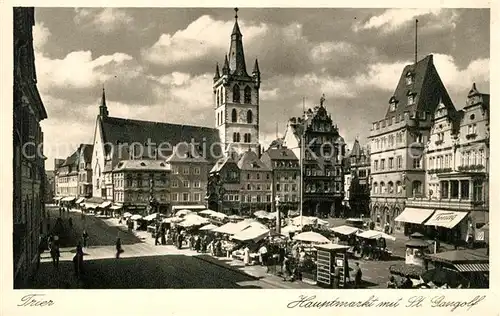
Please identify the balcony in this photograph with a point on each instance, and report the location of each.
(455, 204)
(471, 168)
(439, 170)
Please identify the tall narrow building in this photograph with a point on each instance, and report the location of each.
(398, 140)
(236, 99)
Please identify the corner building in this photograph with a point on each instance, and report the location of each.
(397, 142)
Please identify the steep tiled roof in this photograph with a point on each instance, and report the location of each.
(71, 160)
(426, 86)
(221, 163)
(356, 149)
(146, 165)
(125, 131)
(87, 152)
(250, 161)
(186, 153)
(280, 154)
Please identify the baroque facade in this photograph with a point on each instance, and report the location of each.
(324, 148)
(28, 160)
(356, 181)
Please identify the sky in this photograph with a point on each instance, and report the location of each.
(158, 63)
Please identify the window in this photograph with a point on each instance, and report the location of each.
(249, 116)
(411, 99)
(382, 188)
(278, 187)
(236, 137)
(185, 183)
(375, 165)
(382, 164)
(416, 163)
(417, 187)
(217, 98)
(197, 184)
(197, 197)
(185, 197)
(247, 138)
(175, 170)
(391, 163)
(390, 187)
(248, 95)
(464, 189)
(409, 78)
(478, 190)
(249, 186)
(174, 196)
(399, 187)
(375, 187)
(399, 138)
(186, 170)
(175, 184)
(221, 96)
(236, 93)
(233, 116)
(197, 170)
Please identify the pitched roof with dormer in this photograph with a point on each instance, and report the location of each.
(281, 153)
(184, 152)
(250, 161)
(426, 87)
(142, 165)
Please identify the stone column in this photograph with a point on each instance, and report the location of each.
(459, 189)
(471, 190)
(449, 189)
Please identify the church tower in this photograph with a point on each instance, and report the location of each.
(103, 109)
(236, 99)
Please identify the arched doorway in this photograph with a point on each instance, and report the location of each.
(398, 226)
(387, 217)
(376, 216)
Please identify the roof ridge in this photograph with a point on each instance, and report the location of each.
(155, 122)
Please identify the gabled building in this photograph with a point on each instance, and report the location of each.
(236, 99)
(85, 171)
(119, 139)
(323, 180)
(457, 180)
(224, 187)
(285, 176)
(256, 184)
(397, 142)
(74, 176)
(356, 181)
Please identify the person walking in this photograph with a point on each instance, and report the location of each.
(85, 237)
(55, 253)
(78, 260)
(157, 236)
(358, 275)
(119, 249)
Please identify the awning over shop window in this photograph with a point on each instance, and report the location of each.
(414, 215)
(80, 200)
(116, 206)
(105, 204)
(473, 267)
(447, 219)
(90, 205)
(68, 199)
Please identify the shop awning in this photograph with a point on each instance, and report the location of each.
(254, 233)
(105, 204)
(345, 230)
(447, 219)
(473, 267)
(375, 234)
(189, 207)
(68, 199)
(414, 215)
(116, 206)
(90, 205)
(80, 200)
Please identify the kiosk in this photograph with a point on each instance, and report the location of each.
(331, 257)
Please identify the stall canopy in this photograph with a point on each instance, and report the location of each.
(218, 215)
(105, 204)
(116, 206)
(172, 220)
(375, 234)
(183, 212)
(209, 227)
(68, 199)
(135, 217)
(290, 229)
(308, 220)
(90, 205)
(235, 217)
(151, 217)
(127, 214)
(57, 198)
(447, 219)
(207, 212)
(345, 230)
(261, 214)
(193, 208)
(312, 237)
(193, 220)
(414, 215)
(80, 200)
(254, 233)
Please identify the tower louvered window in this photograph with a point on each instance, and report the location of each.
(248, 95)
(236, 93)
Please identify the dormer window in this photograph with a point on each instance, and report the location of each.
(393, 104)
(143, 164)
(411, 98)
(409, 78)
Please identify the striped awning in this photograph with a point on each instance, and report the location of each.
(473, 267)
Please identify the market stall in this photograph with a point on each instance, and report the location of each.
(332, 265)
(252, 233)
(183, 212)
(208, 227)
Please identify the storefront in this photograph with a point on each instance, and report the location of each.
(413, 218)
(450, 226)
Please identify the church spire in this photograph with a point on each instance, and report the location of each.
(236, 55)
(225, 68)
(103, 109)
(217, 73)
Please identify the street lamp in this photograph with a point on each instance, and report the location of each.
(278, 215)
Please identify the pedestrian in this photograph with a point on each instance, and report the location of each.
(85, 237)
(358, 275)
(263, 254)
(119, 249)
(55, 253)
(163, 233)
(78, 260)
(157, 236)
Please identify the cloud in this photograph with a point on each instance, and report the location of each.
(323, 52)
(106, 20)
(202, 37)
(393, 19)
(460, 80)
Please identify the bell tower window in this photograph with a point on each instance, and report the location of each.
(249, 116)
(233, 115)
(248, 95)
(236, 93)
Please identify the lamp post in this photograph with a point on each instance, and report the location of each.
(278, 214)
